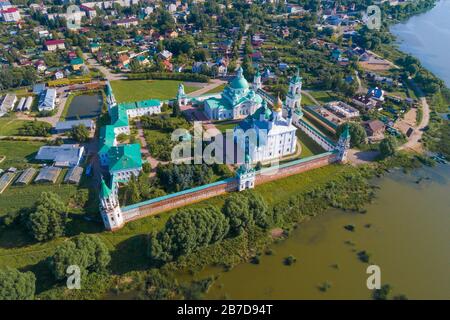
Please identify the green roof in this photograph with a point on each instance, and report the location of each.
(215, 103)
(125, 157)
(107, 138)
(94, 45)
(239, 82)
(119, 117)
(108, 89)
(105, 192)
(76, 61)
(346, 133)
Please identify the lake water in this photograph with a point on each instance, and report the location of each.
(427, 37)
(405, 231)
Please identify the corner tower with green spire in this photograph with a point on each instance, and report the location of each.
(110, 207)
(343, 144)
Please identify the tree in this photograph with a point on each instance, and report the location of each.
(358, 135)
(388, 146)
(35, 128)
(188, 230)
(49, 217)
(80, 133)
(258, 209)
(16, 285)
(236, 209)
(86, 251)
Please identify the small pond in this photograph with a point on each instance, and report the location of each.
(85, 106)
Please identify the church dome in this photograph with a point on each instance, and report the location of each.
(239, 82)
(278, 106)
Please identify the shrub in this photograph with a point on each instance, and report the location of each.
(290, 260)
(16, 285)
(35, 128)
(86, 251)
(48, 218)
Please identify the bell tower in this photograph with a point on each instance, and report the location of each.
(294, 95)
(110, 207)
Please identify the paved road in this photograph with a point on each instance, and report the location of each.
(108, 74)
(214, 83)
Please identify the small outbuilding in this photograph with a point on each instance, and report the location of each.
(48, 175)
(73, 175)
(26, 176)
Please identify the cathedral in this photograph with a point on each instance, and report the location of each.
(238, 100)
(274, 134)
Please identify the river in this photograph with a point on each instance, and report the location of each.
(405, 231)
(427, 37)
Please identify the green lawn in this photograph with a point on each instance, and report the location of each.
(136, 90)
(306, 101)
(9, 126)
(18, 153)
(309, 146)
(324, 96)
(29, 193)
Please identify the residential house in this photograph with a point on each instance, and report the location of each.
(10, 15)
(76, 64)
(375, 130)
(123, 61)
(40, 66)
(90, 12)
(165, 55)
(53, 45)
(376, 93)
(126, 23)
(94, 47)
(59, 75)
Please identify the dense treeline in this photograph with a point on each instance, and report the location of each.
(178, 177)
(163, 122)
(191, 229)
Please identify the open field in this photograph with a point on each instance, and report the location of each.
(324, 96)
(9, 126)
(136, 90)
(9, 200)
(18, 153)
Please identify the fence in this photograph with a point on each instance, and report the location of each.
(182, 198)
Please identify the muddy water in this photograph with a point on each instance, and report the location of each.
(406, 231)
